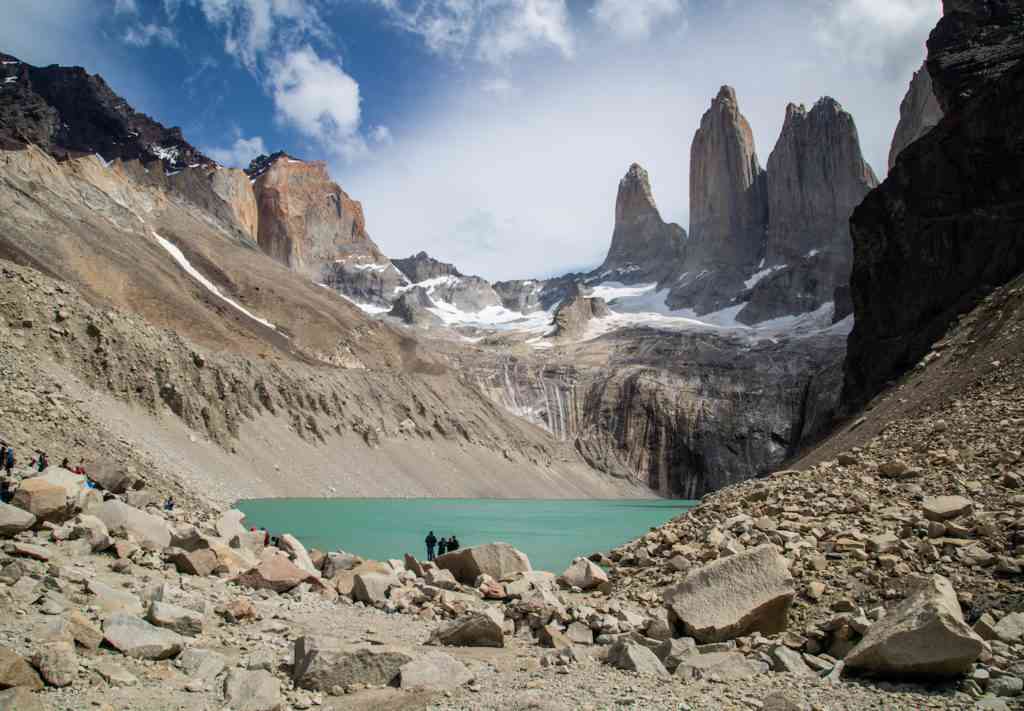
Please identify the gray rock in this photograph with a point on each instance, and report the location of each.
(1010, 629)
(57, 662)
(115, 674)
(474, 629)
(298, 553)
(14, 520)
(734, 596)
(945, 508)
(93, 531)
(148, 531)
(110, 600)
(82, 630)
(673, 652)
(321, 666)
(253, 691)
(631, 656)
(372, 588)
(17, 672)
(499, 560)
(788, 660)
(584, 575)
(202, 664)
(21, 699)
(178, 619)
(724, 666)
(136, 638)
(924, 636)
(1005, 686)
(919, 113)
(434, 671)
(338, 562)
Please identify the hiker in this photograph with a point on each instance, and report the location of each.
(453, 544)
(9, 461)
(80, 469)
(442, 547)
(431, 541)
(6, 494)
(65, 464)
(266, 538)
(169, 504)
(43, 462)
(3, 454)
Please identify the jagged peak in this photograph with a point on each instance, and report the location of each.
(262, 163)
(727, 94)
(635, 181)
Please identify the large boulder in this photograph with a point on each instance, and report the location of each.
(475, 629)
(945, 508)
(179, 619)
(499, 560)
(113, 477)
(112, 601)
(734, 596)
(201, 562)
(14, 520)
(230, 525)
(723, 666)
(584, 575)
(253, 691)
(275, 572)
(298, 553)
(43, 499)
(434, 671)
(372, 588)
(93, 531)
(137, 638)
(628, 655)
(15, 671)
(925, 636)
(147, 530)
(320, 665)
(339, 562)
(21, 699)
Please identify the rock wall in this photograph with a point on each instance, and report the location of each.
(644, 247)
(234, 188)
(420, 267)
(573, 315)
(946, 225)
(919, 112)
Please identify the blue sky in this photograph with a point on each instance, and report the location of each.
(491, 133)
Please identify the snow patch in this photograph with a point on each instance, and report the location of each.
(10, 80)
(813, 253)
(371, 309)
(758, 276)
(183, 262)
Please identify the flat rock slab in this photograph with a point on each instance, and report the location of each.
(177, 619)
(321, 665)
(925, 636)
(275, 572)
(21, 699)
(584, 575)
(945, 508)
(253, 691)
(14, 520)
(723, 666)
(475, 629)
(110, 600)
(15, 671)
(372, 588)
(137, 638)
(637, 658)
(499, 560)
(434, 671)
(115, 674)
(148, 531)
(734, 596)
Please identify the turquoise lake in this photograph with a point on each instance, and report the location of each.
(550, 532)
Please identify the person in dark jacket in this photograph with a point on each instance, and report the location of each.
(453, 544)
(9, 462)
(43, 462)
(431, 541)
(442, 547)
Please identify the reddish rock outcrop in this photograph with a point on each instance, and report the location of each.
(234, 188)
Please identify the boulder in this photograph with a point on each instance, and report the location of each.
(628, 655)
(734, 596)
(201, 562)
(14, 520)
(275, 572)
(474, 629)
(441, 578)
(945, 508)
(335, 563)
(82, 630)
(21, 699)
(92, 530)
(584, 575)
(580, 633)
(253, 691)
(110, 600)
(673, 652)
(233, 561)
(43, 499)
(230, 525)
(112, 477)
(523, 583)
(203, 665)
(723, 666)
(413, 565)
(372, 588)
(16, 672)
(27, 550)
(136, 638)
(57, 662)
(178, 619)
(150, 532)
(499, 560)
(322, 666)
(434, 671)
(298, 553)
(115, 674)
(188, 538)
(236, 610)
(1010, 629)
(925, 635)
(790, 661)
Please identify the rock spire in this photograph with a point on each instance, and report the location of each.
(919, 113)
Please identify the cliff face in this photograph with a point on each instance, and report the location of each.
(644, 247)
(728, 201)
(68, 112)
(306, 221)
(420, 267)
(919, 112)
(234, 188)
(946, 225)
(573, 314)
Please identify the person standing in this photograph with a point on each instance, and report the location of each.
(453, 544)
(431, 541)
(43, 462)
(442, 547)
(9, 462)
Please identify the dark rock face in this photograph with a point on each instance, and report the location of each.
(644, 247)
(803, 286)
(529, 295)
(411, 307)
(947, 224)
(974, 44)
(420, 267)
(69, 112)
(573, 314)
(919, 113)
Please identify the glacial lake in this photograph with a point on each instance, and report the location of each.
(550, 532)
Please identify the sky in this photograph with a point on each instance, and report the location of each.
(490, 133)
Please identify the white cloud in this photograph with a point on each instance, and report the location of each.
(497, 85)
(171, 8)
(318, 98)
(144, 35)
(127, 7)
(490, 30)
(240, 153)
(884, 34)
(635, 19)
(382, 134)
(252, 26)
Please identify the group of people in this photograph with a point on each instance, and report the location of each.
(441, 545)
(40, 464)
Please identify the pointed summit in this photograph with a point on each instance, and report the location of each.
(919, 113)
(643, 246)
(728, 208)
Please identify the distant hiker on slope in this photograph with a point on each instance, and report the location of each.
(453, 544)
(169, 504)
(65, 464)
(43, 462)
(9, 461)
(442, 547)
(431, 541)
